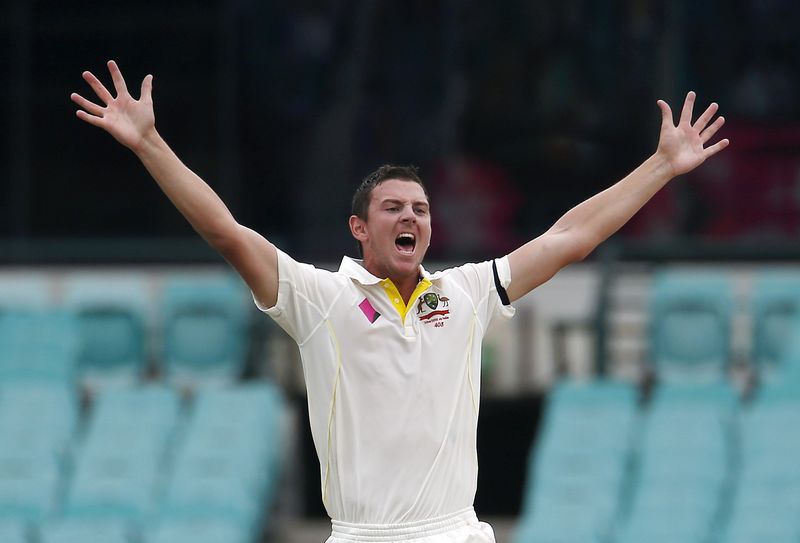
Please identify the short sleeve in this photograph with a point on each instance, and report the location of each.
(303, 291)
(478, 282)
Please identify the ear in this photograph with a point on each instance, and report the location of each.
(358, 228)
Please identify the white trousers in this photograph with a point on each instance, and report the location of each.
(459, 527)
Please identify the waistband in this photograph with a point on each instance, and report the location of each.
(349, 531)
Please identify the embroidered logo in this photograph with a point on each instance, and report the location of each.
(368, 310)
(431, 309)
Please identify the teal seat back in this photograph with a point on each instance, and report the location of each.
(690, 327)
(112, 313)
(775, 310)
(205, 325)
(85, 530)
(38, 347)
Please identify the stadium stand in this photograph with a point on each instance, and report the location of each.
(205, 327)
(690, 327)
(577, 470)
(113, 326)
(775, 308)
(13, 531)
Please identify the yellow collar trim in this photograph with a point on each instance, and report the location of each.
(397, 300)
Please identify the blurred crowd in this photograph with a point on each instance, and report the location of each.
(515, 110)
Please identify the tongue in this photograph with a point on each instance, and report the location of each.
(405, 247)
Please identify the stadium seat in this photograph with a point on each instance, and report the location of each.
(775, 309)
(198, 531)
(227, 461)
(578, 469)
(112, 315)
(120, 462)
(689, 330)
(13, 531)
(38, 416)
(85, 531)
(683, 524)
(684, 464)
(150, 409)
(205, 327)
(769, 525)
(28, 485)
(38, 347)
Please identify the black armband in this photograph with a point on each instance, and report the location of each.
(500, 290)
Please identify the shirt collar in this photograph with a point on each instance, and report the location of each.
(354, 269)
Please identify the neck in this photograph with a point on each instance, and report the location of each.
(405, 283)
(405, 286)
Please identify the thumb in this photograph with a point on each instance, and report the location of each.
(147, 88)
(666, 113)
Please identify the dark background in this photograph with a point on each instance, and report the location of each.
(515, 111)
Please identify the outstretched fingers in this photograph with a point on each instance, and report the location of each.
(716, 148)
(99, 89)
(91, 119)
(116, 77)
(89, 106)
(666, 113)
(707, 115)
(147, 88)
(709, 132)
(688, 106)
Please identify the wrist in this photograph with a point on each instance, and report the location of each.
(661, 166)
(148, 143)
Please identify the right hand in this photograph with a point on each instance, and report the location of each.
(129, 121)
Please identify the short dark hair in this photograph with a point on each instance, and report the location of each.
(363, 193)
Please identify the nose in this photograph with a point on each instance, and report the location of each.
(408, 215)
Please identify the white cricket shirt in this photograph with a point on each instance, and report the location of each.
(393, 391)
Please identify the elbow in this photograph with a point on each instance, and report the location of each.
(577, 246)
(224, 236)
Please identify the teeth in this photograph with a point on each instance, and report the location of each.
(406, 235)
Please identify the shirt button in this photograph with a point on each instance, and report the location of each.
(397, 300)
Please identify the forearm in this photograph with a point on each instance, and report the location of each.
(596, 219)
(195, 200)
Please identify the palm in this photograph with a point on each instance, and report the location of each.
(683, 146)
(126, 119)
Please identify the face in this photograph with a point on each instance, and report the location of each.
(397, 232)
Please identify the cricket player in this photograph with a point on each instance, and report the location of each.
(391, 351)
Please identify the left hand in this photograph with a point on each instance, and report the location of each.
(683, 146)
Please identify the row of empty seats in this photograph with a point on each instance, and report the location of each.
(690, 326)
(143, 465)
(693, 464)
(694, 459)
(105, 330)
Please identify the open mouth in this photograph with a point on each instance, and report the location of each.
(405, 243)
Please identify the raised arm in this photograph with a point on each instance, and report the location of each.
(680, 149)
(132, 123)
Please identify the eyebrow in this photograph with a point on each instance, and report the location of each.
(395, 201)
